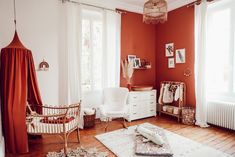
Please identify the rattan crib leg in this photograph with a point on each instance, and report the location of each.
(107, 124)
(65, 144)
(78, 135)
(124, 123)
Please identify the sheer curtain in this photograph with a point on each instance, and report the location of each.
(74, 51)
(69, 51)
(200, 62)
(111, 42)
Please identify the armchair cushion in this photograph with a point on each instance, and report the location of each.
(113, 111)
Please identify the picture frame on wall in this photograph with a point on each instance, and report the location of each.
(171, 63)
(131, 58)
(169, 50)
(137, 63)
(180, 56)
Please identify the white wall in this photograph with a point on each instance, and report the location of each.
(41, 26)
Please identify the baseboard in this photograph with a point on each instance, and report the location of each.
(2, 147)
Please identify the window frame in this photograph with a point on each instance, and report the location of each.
(230, 94)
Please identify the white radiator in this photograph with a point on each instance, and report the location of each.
(221, 114)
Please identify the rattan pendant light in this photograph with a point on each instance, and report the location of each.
(155, 11)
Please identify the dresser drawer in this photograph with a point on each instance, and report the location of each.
(134, 97)
(141, 96)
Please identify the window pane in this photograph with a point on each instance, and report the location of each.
(97, 54)
(218, 57)
(234, 59)
(86, 56)
(92, 52)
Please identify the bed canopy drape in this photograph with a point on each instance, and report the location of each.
(18, 86)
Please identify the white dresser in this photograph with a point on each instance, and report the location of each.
(142, 104)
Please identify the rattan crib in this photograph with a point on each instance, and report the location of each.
(60, 121)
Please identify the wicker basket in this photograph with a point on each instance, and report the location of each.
(188, 115)
(89, 120)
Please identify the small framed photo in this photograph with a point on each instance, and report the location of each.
(171, 63)
(131, 58)
(137, 63)
(169, 50)
(180, 56)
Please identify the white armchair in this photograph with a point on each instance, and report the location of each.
(114, 105)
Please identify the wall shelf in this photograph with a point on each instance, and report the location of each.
(142, 68)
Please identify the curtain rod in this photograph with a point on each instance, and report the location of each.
(90, 5)
(197, 2)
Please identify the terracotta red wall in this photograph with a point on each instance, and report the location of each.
(179, 29)
(138, 39)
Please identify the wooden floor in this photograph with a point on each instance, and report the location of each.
(215, 137)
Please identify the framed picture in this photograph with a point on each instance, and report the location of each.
(180, 56)
(137, 63)
(131, 58)
(170, 50)
(171, 63)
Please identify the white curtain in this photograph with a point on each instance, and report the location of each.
(74, 49)
(111, 44)
(200, 62)
(73, 31)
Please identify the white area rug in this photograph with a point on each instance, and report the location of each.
(121, 143)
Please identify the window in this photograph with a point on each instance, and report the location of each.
(92, 52)
(220, 57)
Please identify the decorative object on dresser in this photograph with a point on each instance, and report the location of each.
(127, 70)
(172, 98)
(142, 88)
(142, 104)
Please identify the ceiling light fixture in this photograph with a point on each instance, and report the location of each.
(155, 11)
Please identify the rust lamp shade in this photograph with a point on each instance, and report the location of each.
(155, 11)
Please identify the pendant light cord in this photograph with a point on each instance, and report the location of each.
(15, 13)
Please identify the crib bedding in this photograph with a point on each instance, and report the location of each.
(37, 126)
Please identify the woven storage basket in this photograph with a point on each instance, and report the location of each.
(188, 115)
(89, 120)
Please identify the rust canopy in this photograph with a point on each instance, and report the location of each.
(18, 87)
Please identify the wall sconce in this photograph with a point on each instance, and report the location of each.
(187, 72)
(43, 66)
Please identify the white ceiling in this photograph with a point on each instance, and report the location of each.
(134, 5)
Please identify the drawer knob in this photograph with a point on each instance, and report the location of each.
(134, 113)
